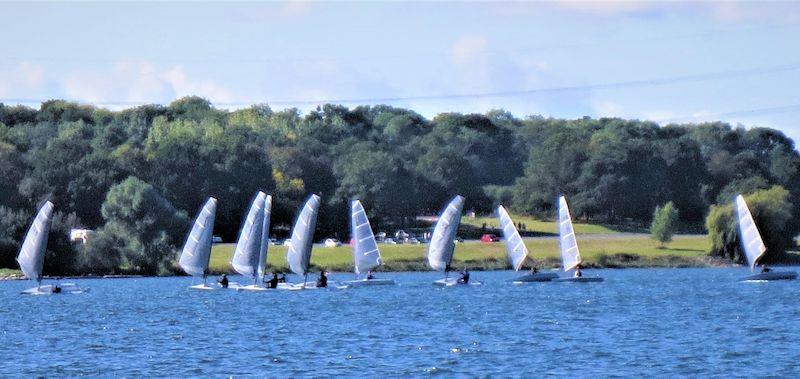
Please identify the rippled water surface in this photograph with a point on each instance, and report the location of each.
(654, 322)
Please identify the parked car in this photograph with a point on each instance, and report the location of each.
(488, 238)
(458, 240)
(401, 235)
(380, 236)
(332, 242)
(216, 239)
(412, 240)
(273, 242)
(389, 241)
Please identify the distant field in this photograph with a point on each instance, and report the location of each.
(622, 251)
(534, 225)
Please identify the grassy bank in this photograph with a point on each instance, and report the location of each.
(533, 225)
(610, 251)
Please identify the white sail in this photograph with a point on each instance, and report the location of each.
(570, 256)
(515, 247)
(31, 255)
(440, 250)
(197, 249)
(262, 255)
(753, 246)
(299, 253)
(245, 257)
(365, 250)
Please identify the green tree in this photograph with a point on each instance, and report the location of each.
(141, 226)
(664, 221)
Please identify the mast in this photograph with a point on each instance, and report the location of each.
(245, 257)
(441, 248)
(31, 254)
(515, 247)
(570, 255)
(752, 243)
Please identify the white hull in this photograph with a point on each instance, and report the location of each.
(47, 289)
(369, 282)
(252, 288)
(203, 287)
(581, 279)
(772, 275)
(452, 282)
(538, 277)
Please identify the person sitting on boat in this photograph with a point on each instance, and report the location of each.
(464, 276)
(273, 283)
(282, 278)
(578, 273)
(323, 280)
(534, 270)
(765, 269)
(223, 281)
(56, 289)
(369, 275)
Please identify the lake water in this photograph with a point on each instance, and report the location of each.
(662, 322)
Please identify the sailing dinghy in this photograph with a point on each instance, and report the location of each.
(298, 255)
(197, 249)
(31, 255)
(753, 245)
(517, 251)
(442, 245)
(248, 247)
(570, 255)
(366, 255)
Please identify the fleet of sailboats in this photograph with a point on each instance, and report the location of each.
(252, 247)
(753, 245)
(516, 250)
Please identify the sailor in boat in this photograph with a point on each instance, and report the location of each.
(223, 281)
(273, 283)
(282, 278)
(765, 269)
(578, 273)
(369, 275)
(323, 280)
(464, 276)
(56, 289)
(534, 270)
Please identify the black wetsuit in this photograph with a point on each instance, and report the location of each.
(273, 283)
(464, 277)
(322, 281)
(224, 282)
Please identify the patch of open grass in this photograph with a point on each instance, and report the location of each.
(534, 225)
(636, 251)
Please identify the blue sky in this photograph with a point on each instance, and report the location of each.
(739, 62)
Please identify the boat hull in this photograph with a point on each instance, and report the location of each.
(48, 289)
(202, 287)
(369, 282)
(537, 277)
(252, 288)
(772, 275)
(582, 279)
(452, 282)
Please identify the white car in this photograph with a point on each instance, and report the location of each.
(389, 241)
(216, 239)
(332, 242)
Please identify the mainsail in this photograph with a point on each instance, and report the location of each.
(262, 253)
(31, 255)
(299, 253)
(365, 249)
(245, 257)
(751, 239)
(440, 250)
(570, 255)
(515, 247)
(197, 249)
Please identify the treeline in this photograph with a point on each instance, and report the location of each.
(163, 161)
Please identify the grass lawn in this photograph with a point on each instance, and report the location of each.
(627, 251)
(535, 225)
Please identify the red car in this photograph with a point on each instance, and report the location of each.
(489, 238)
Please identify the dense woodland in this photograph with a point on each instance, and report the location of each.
(137, 176)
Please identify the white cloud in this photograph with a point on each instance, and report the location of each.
(140, 81)
(24, 77)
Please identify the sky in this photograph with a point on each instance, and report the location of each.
(737, 62)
